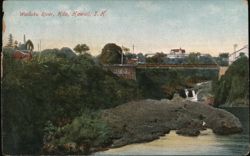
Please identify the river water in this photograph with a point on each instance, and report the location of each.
(207, 143)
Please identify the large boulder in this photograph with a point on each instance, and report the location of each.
(146, 120)
(188, 132)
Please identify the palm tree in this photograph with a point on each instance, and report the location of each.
(29, 45)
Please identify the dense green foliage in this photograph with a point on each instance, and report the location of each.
(64, 52)
(111, 54)
(233, 87)
(56, 89)
(162, 83)
(223, 59)
(42, 97)
(192, 58)
(158, 58)
(157, 84)
(77, 137)
(29, 45)
(129, 55)
(81, 48)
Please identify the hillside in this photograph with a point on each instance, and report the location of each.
(232, 90)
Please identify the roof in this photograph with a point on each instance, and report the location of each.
(178, 50)
(19, 51)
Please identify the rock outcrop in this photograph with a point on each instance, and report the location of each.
(146, 120)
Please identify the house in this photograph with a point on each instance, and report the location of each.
(24, 51)
(176, 53)
(19, 55)
(132, 61)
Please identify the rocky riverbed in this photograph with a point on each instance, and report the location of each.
(146, 120)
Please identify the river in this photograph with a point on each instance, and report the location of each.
(207, 143)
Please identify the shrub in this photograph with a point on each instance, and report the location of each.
(84, 132)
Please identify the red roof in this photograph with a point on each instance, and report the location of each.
(19, 55)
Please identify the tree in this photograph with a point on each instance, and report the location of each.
(29, 45)
(125, 49)
(130, 55)
(224, 55)
(10, 42)
(111, 54)
(193, 58)
(141, 58)
(81, 48)
(223, 59)
(158, 58)
(233, 88)
(66, 53)
(15, 44)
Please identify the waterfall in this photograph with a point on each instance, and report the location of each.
(186, 92)
(192, 96)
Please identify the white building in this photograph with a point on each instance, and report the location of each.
(176, 53)
(235, 55)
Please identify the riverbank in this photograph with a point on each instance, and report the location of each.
(147, 120)
(232, 89)
(206, 143)
(243, 114)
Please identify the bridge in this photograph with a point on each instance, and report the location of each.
(236, 54)
(128, 71)
(179, 66)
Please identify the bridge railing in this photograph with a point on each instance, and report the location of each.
(180, 65)
(163, 65)
(119, 65)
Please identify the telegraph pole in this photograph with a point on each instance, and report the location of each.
(122, 55)
(133, 48)
(40, 45)
(235, 46)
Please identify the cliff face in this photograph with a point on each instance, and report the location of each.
(232, 90)
(146, 120)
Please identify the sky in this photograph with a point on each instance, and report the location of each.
(211, 26)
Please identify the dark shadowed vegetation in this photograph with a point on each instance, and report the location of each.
(51, 102)
(54, 87)
(163, 83)
(111, 54)
(233, 87)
